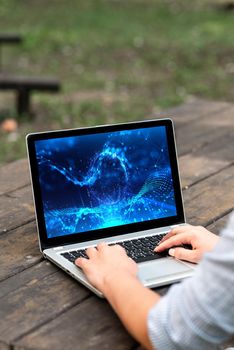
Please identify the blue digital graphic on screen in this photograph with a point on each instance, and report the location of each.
(96, 181)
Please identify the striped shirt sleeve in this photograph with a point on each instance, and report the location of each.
(199, 312)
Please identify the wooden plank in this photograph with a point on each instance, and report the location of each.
(14, 175)
(89, 325)
(41, 299)
(206, 130)
(10, 38)
(19, 250)
(16, 209)
(218, 225)
(193, 110)
(206, 109)
(8, 82)
(210, 199)
(4, 346)
(206, 161)
(27, 277)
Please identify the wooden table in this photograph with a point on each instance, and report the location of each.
(43, 308)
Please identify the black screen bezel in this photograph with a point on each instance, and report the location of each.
(111, 231)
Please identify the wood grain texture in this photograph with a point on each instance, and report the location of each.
(16, 209)
(90, 325)
(206, 161)
(19, 250)
(194, 136)
(194, 110)
(218, 225)
(210, 199)
(27, 276)
(4, 346)
(40, 299)
(14, 175)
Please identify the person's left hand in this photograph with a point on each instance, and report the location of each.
(105, 261)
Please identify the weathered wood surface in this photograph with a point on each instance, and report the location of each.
(43, 308)
(14, 176)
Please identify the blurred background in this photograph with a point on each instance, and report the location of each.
(116, 60)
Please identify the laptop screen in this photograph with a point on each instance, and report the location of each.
(95, 181)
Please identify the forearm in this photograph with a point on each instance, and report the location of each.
(132, 302)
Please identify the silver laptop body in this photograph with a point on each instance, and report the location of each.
(127, 169)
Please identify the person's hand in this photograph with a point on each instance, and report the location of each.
(198, 237)
(105, 261)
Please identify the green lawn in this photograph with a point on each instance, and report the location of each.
(117, 60)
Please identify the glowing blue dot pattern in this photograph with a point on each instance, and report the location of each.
(96, 181)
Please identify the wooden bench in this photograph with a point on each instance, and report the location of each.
(7, 38)
(41, 307)
(226, 5)
(24, 86)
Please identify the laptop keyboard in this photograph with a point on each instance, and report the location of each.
(140, 250)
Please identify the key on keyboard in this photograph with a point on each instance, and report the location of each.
(140, 250)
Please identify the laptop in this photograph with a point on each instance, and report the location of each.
(114, 183)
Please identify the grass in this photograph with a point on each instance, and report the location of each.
(117, 60)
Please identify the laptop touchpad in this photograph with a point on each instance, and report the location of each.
(155, 269)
